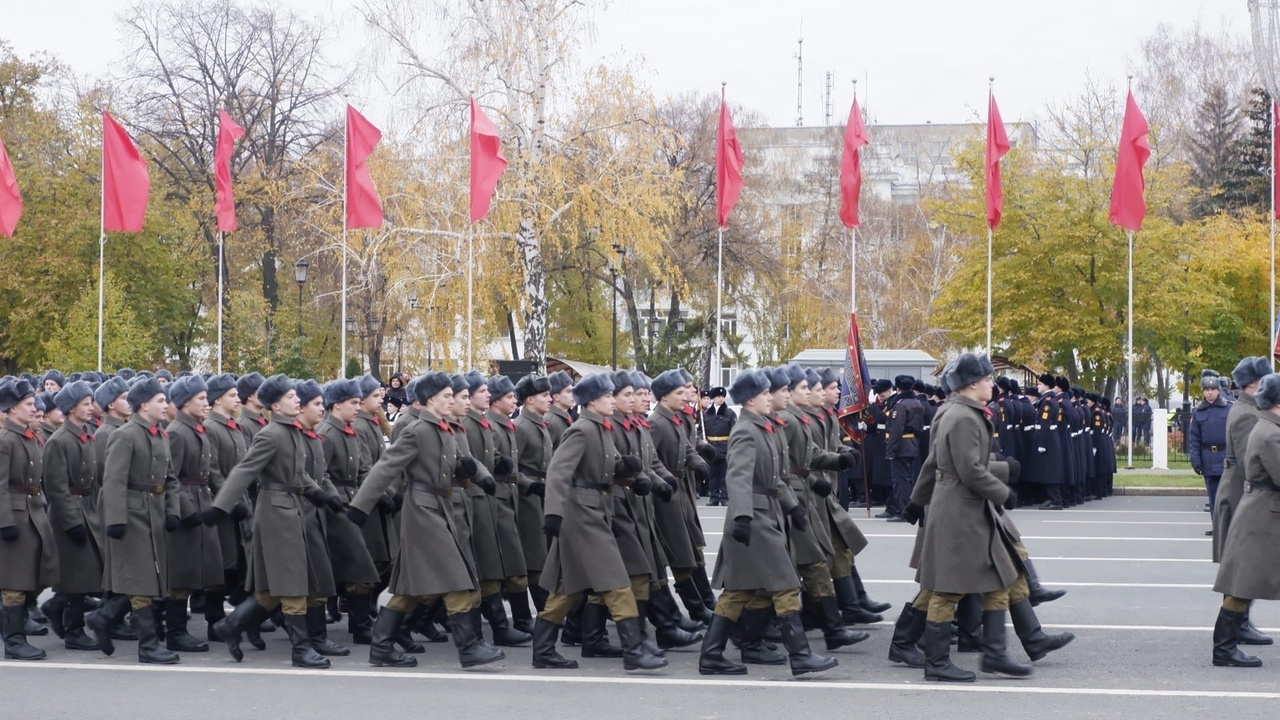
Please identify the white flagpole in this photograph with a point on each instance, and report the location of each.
(989, 242)
(102, 242)
(342, 323)
(471, 264)
(1129, 354)
(220, 261)
(715, 355)
(853, 270)
(1271, 332)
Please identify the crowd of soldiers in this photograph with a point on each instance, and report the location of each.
(142, 500)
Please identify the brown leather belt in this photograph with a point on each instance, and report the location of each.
(31, 490)
(773, 493)
(193, 481)
(152, 489)
(588, 485)
(432, 490)
(83, 492)
(282, 488)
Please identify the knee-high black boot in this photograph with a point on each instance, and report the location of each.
(544, 647)
(103, 621)
(382, 648)
(595, 633)
(521, 617)
(53, 610)
(13, 625)
(73, 624)
(995, 654)
(712, 660)
(969, 623)
(571, 633)
(248, 614)
(907, 632)
(1027, 627)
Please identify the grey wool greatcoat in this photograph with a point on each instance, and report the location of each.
(836, 517)
(1250, 566)
(633, 514)
(431, 560)
(277, 460)
(195, 552)
(463, 507)
(804, 460)
(1241, 418)
(756, 490)
(580, 491)
(320, 566)
(345, 470)
(229, 443)
(100, 437)
(72, 488)
(678, 524)
(381, 535)
(495, 532)
(966, 549)
(533, 440)
(138, 491)
(558, 420)
(29, 563)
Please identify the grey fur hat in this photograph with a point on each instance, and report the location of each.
(1209, 380)
(499, 385)
(474, 380)
(44, 401)
(640, 380)
(55, 376)
(826, 376)
(430, 385)
(14, 391)
(531, 385)
(71, 394)
(1268, 395)
(748, 384)
(795, 375)
(108, 391)
(970, 368)
(684, 376)
(667, 382)
(593, 386)
(274, 388)
(340, 390)
(308, 390)
(457, 382)
(368, 385)
(1250, 370)
(559, 380)
(247, 385)
(622, 379)
(184, 388)
(142, 390)
(220, 385)
(778, 378)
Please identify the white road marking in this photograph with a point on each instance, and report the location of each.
(1066, 537)
(1126, 522)
(813, 683)
(1176, 586)
(1038, 558)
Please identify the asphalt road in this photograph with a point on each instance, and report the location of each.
(1139, 601)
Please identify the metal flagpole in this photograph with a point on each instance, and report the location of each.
(989, 240)
(1272, 331)
(853, 270)
(471, 264)
(102, 242)
(220, 261)
(1129, 354)
(715, 355)
(342, 323)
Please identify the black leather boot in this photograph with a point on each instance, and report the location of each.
(157, 609)
(471, 651)
(703, 583)
(492, 609)
(651, 647)
(359, 620)
(382, 648)
(248, 614)
(332, 612)
(1250, 635)
(937, 655)
(851, 611)
(1226, 636)
(669, 601)
(123, 630)
(907, 631)
(426, 625)
(303, 655)
(865, 600)
(16, 647)
(102, 622)
(661, 611)
(318, 633)
(73, 624)
(1027, 627)
(803, 660)
(149, 649)
(1039, 594)
(995, 652)
(521, 617)
(969, 624)
(404, 634)
(544, 647)
(634, 654)
(756, 650)
(34, 622)
(53, 610)
(214, 610)
(176, 636)
(539, 596)
(197, 602)
(595, 633)
(571, 633)
(712, 660)
(833, 629)
(692, 601)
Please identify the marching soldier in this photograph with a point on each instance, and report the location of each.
(717, 422)
(252, 411)
(322, 586)
(380, 534)
(533, 439)
(558, 418)
(503, 402)
(71, 485)
(51, 417)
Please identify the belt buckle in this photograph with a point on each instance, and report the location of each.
(448, 492)
(158, 489)
(34, 491)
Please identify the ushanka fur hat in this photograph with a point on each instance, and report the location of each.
(970, 368)
(1250, 370)
(593, 386)
(748, 384)
(1268, 395)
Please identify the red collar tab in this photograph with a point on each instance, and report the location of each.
(152, 431)
(642, 422)
(542, 424)
(768, 426)
(200, 428)
(348, 430)
(311, 433)
(626, 424)
(28, 434)
(84, 438)
(511, 426)
(805, 419)
(444, 427)
(261, 421)
(607, 425)
(297, 424)
(675, 420)
(778, 420)
(232, 424)
(686, 410)
(484, 423)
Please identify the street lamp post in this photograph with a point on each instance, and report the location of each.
(351, 328)
(300, 277)
(373, 325)
(613, 274)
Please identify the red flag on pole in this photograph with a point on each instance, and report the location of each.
(363, 207)
(855, 136)
(1128, 206)
(10, 197)
(728, 167)
(224, 203)
(997, 146)
(855, 393)
(125, 183)
(487, 161)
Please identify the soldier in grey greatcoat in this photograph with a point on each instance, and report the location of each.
(535, 446)
(560, 385)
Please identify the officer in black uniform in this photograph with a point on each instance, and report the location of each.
(717, 422)
(906, 418)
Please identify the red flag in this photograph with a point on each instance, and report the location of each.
(855, 136)
(1275, 160)
(363, 207)
(1128, 206)
(10, 197)
(728, 167)
(487, 162)
(855, 394)
(224, 203)
(125, 183)
(997, 146)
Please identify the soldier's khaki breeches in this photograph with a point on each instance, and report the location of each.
(731, 603)
(681, 574)
(13, 598)
(513, 584)
(639, 590)
(842, 560)
(290, 605)
(921, 602)
(178, 594)
(139, 602)
(621, 603)
(315, 602)
(1019, 590)
(359, 588)
(816, 579)
(1230, 604)
(455, 603)
(942, 606)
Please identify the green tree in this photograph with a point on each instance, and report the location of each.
(73, 342)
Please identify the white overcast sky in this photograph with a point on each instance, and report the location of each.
(915, 61)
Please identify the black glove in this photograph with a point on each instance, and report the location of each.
(502, 465)
(848, 459)
(551, 525)
(702, 471)
(538, 488)
(741, 530)
(239, 511)
(822, 486)
(398, 499)
(335, 503)
(663, 491)
(1011, 502)
(642, 486)
(627, 467)
(1199, 470)
(191, 520)
(1015, 469)
(799, 520)
(316, 497)
(357, 517)
(10, 533)
(211, 516)
(172, 523)
(115, 532)
(79, 534)
(912, 513)
(489, 485)
(386, 504)
(466, 467)
(707, 452)
(616, 528)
